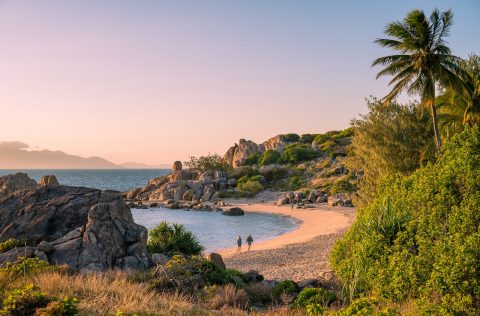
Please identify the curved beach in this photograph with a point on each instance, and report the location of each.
(299, 254)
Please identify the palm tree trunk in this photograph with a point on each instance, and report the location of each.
(436, 131)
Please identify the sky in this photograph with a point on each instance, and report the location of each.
(158, 81)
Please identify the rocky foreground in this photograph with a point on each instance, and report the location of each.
(87, 229)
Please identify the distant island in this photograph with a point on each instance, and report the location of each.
(15, 155)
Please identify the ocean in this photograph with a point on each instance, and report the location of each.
(104, 179)
(213, 230)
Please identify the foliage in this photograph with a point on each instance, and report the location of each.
(206, 163)
(269, 157)
(26, 266)
(23, 301)
(195, 269)
(294, 153)
(307, 138)
(458, 107)
(342, 186)
(250, 184)
(314, 296)
(173, 239)
(10, 244)
(65, 307)
(252, 159)
(291, 138)
(390, 139)
(424, 61)
(284, 287)
(242, 171)
(402, 244)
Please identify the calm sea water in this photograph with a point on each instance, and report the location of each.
(213, 230)
(216, 231)
(117, 179)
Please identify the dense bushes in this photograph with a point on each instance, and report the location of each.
(252, 184)
(419, 238)
(269, 157)
(291, 138)
(173, 239)
(294, 153)
(390, 139)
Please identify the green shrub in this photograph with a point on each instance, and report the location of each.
(291, 138)
(65, 307)
(284, 287)
(307, 138)
(418, 239)
(328, 146)
(24, 301)
(275, 173)
(269, 157)
(10, 244)
(206, 163)
(314, 309)
(309, 296)
(250, 186)
(187, 271)
(294, 153)
(342, 186)
(242, 171)
(173, 239)
(27, 266)
(252, 159)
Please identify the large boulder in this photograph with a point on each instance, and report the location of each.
(217, 259)
(237, 155)
(48, 180)
(233, 211)
(87, 229)
(14, 182)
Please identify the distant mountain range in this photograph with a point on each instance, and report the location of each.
(14, 155)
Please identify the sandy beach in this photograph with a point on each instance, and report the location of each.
(299, 254)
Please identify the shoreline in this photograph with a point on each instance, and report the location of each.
(313, 222)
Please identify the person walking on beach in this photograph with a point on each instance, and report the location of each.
(249, 241)
(239, 243)
(293, 202)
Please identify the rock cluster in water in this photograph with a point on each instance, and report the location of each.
(87, 229)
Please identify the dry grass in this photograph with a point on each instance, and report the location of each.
(107, 293)
(228, 295)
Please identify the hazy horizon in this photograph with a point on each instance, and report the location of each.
(154, 82)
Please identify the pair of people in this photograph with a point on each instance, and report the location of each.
(239, 242)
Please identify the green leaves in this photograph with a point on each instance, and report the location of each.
(419, 239)
(173, 239)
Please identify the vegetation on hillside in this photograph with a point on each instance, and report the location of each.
(390, 139)
(208, 162)
(419, 239)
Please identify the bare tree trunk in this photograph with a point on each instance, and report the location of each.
(436, 131)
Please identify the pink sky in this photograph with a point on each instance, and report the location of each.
(156, 82)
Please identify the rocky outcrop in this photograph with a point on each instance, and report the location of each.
(15, 182)
(238, 154)
(48, 180)
(87, 229)
(177, 166)
(183, 186)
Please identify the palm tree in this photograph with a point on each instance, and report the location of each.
(461, 107)
(424, 61)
